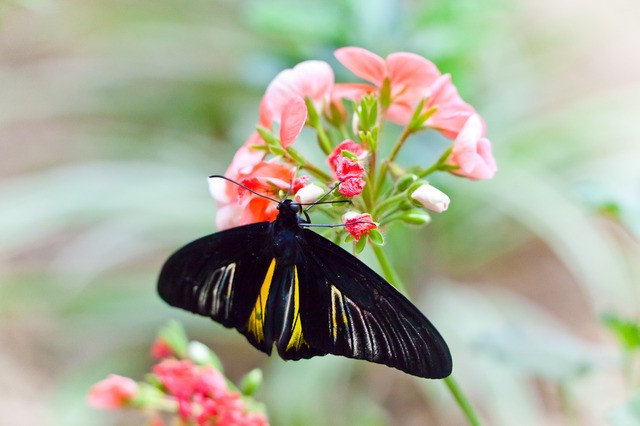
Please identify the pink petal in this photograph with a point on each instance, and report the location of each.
(400, 113)
(352, 91)
(408, 70)
(309, 79)
(314, 79)
(363, 63)
(293, 118)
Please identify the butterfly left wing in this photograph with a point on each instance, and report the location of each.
(347, 309)
(222, 276)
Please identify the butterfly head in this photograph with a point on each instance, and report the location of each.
(291, 212)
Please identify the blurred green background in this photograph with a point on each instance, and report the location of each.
(112, 114)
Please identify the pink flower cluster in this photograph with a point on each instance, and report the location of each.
(405, 85)
(203, 396)
(198, 394)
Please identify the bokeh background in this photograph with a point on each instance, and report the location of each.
(112, 114)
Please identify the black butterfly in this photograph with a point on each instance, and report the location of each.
(278, 282)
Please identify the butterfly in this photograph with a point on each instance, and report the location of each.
(281, 283)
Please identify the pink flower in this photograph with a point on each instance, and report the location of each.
(472, 152)
(452, 112)
(348, 145)
(409, 77)
(358, 224)
(113, 392)
(161, 349)
(349, 173)
(308, 79)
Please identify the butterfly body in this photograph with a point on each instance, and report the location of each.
(279, 283)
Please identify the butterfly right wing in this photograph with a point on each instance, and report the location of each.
(225, 276)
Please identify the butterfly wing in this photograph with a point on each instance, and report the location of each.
(224, 276)
(347, 309)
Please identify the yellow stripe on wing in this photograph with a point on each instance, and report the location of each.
(255, 325)
(297, 339)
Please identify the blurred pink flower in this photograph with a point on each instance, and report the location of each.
(409, 76)
(472, 151)
(113, 392)
(358, 224)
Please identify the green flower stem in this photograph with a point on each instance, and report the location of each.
(437, 165)
(323, 140)
(297, 159)
(389, 201)
(391, 276)
(383, 168)
(387, 268)
(462, 401)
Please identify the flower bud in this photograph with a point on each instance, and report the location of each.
(416, 217)
(431, 198)
(309, 194)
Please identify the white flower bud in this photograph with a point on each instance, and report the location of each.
(431, 198)
(308, 194)
(198, 352)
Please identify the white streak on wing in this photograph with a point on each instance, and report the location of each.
(230, 273)
(203, 291)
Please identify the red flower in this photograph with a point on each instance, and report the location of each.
(113, 392)
(358, 224)
(349, 173)
(347, 145)
(243, 207)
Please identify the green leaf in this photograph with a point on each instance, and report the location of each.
(348, 154)
(360, 245)
(376, 237)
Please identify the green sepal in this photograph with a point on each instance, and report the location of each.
(349, 238)
(268, 136)
(312, 115)
(405, 181)
(360, 245)
(376, 237)
(385, 93)
(295, 156)
(251, 382)
(348, 154)
(175, 337)
(150, 396)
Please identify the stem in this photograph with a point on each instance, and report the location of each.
(323, 139)
(452, 385)
(436, 166)
(462, 401)
(383, 168)
(388, 269)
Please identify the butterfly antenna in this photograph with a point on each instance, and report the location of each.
(319, 200)
(243, 186)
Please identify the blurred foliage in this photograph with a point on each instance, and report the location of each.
(112, 114)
